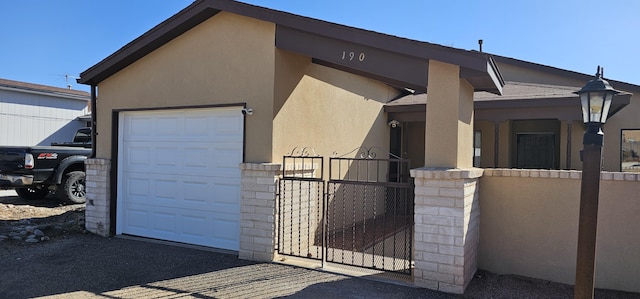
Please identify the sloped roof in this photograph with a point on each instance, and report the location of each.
(554, 99)
(510, 91)
(477, 68)
(24, 86)
(562, 72)
(520, 90)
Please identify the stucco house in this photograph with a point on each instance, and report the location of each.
(273, 135)
(34, 114)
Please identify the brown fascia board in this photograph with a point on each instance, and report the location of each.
(481, 68)
(478, 68)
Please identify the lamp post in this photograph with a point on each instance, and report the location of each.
(595, 98)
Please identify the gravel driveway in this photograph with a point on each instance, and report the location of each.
(76, 264)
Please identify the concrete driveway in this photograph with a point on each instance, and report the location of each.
(89, 266)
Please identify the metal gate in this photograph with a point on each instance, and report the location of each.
(363, 218)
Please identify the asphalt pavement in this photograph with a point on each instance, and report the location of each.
(90, 266)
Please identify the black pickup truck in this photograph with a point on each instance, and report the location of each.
(36, 171)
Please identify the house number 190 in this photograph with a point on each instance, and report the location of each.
(352, 55)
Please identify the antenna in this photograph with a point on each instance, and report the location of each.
(66, 79)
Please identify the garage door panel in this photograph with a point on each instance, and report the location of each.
(167, 189)
(138, 186)
(197, 157)
(138, 156)
(163, 156)
(225, 230)
(198, 192)
(138, 126)
(137, 218)
(201, 159)
(168, 126)
(227, 193)
(178, 193)
(226, 157)
(198, 126)
(164, 221)
(193, 227)
(228, 124)
(180, 177)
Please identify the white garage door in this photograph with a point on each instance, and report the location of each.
(179, 176)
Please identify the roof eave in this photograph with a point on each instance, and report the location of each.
(562, 72)
(485, 76)
(478, 68)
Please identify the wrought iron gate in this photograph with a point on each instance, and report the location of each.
(363, 218)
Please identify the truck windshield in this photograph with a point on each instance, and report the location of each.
(83, 135)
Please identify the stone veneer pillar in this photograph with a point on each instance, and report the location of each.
(446, 228)
(257, 211)
(98, 207)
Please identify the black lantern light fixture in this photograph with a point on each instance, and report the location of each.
(595, 97)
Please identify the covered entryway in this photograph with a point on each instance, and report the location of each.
(178, 175)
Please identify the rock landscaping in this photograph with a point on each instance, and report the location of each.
(31, 222)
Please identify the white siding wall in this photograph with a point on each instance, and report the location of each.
(35, 119)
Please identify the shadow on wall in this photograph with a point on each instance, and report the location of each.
(64, 134)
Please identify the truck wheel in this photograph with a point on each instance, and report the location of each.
(73, 187)
(33, 193)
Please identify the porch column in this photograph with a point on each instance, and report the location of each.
(257, 211)
(98, 207)
(449, 124)
(446, 194)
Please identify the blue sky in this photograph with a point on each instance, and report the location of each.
(41, 41)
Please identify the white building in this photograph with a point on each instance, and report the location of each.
(32, 114)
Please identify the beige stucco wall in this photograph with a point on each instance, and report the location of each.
(449, 128)
(227, 59)
(326, 109)
(529, 226)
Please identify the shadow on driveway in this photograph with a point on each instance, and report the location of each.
(89, 266)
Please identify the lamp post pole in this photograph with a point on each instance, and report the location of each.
(587, 226)
(595, 98)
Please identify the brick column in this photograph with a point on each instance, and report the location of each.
(446, 228)
(257, 211)
(98, 207)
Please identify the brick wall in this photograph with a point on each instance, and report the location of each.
(257, 211)
(97, 213)
(446, 228)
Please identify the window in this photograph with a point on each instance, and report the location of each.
(535, 151)
(630, 147)
(534, 144)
